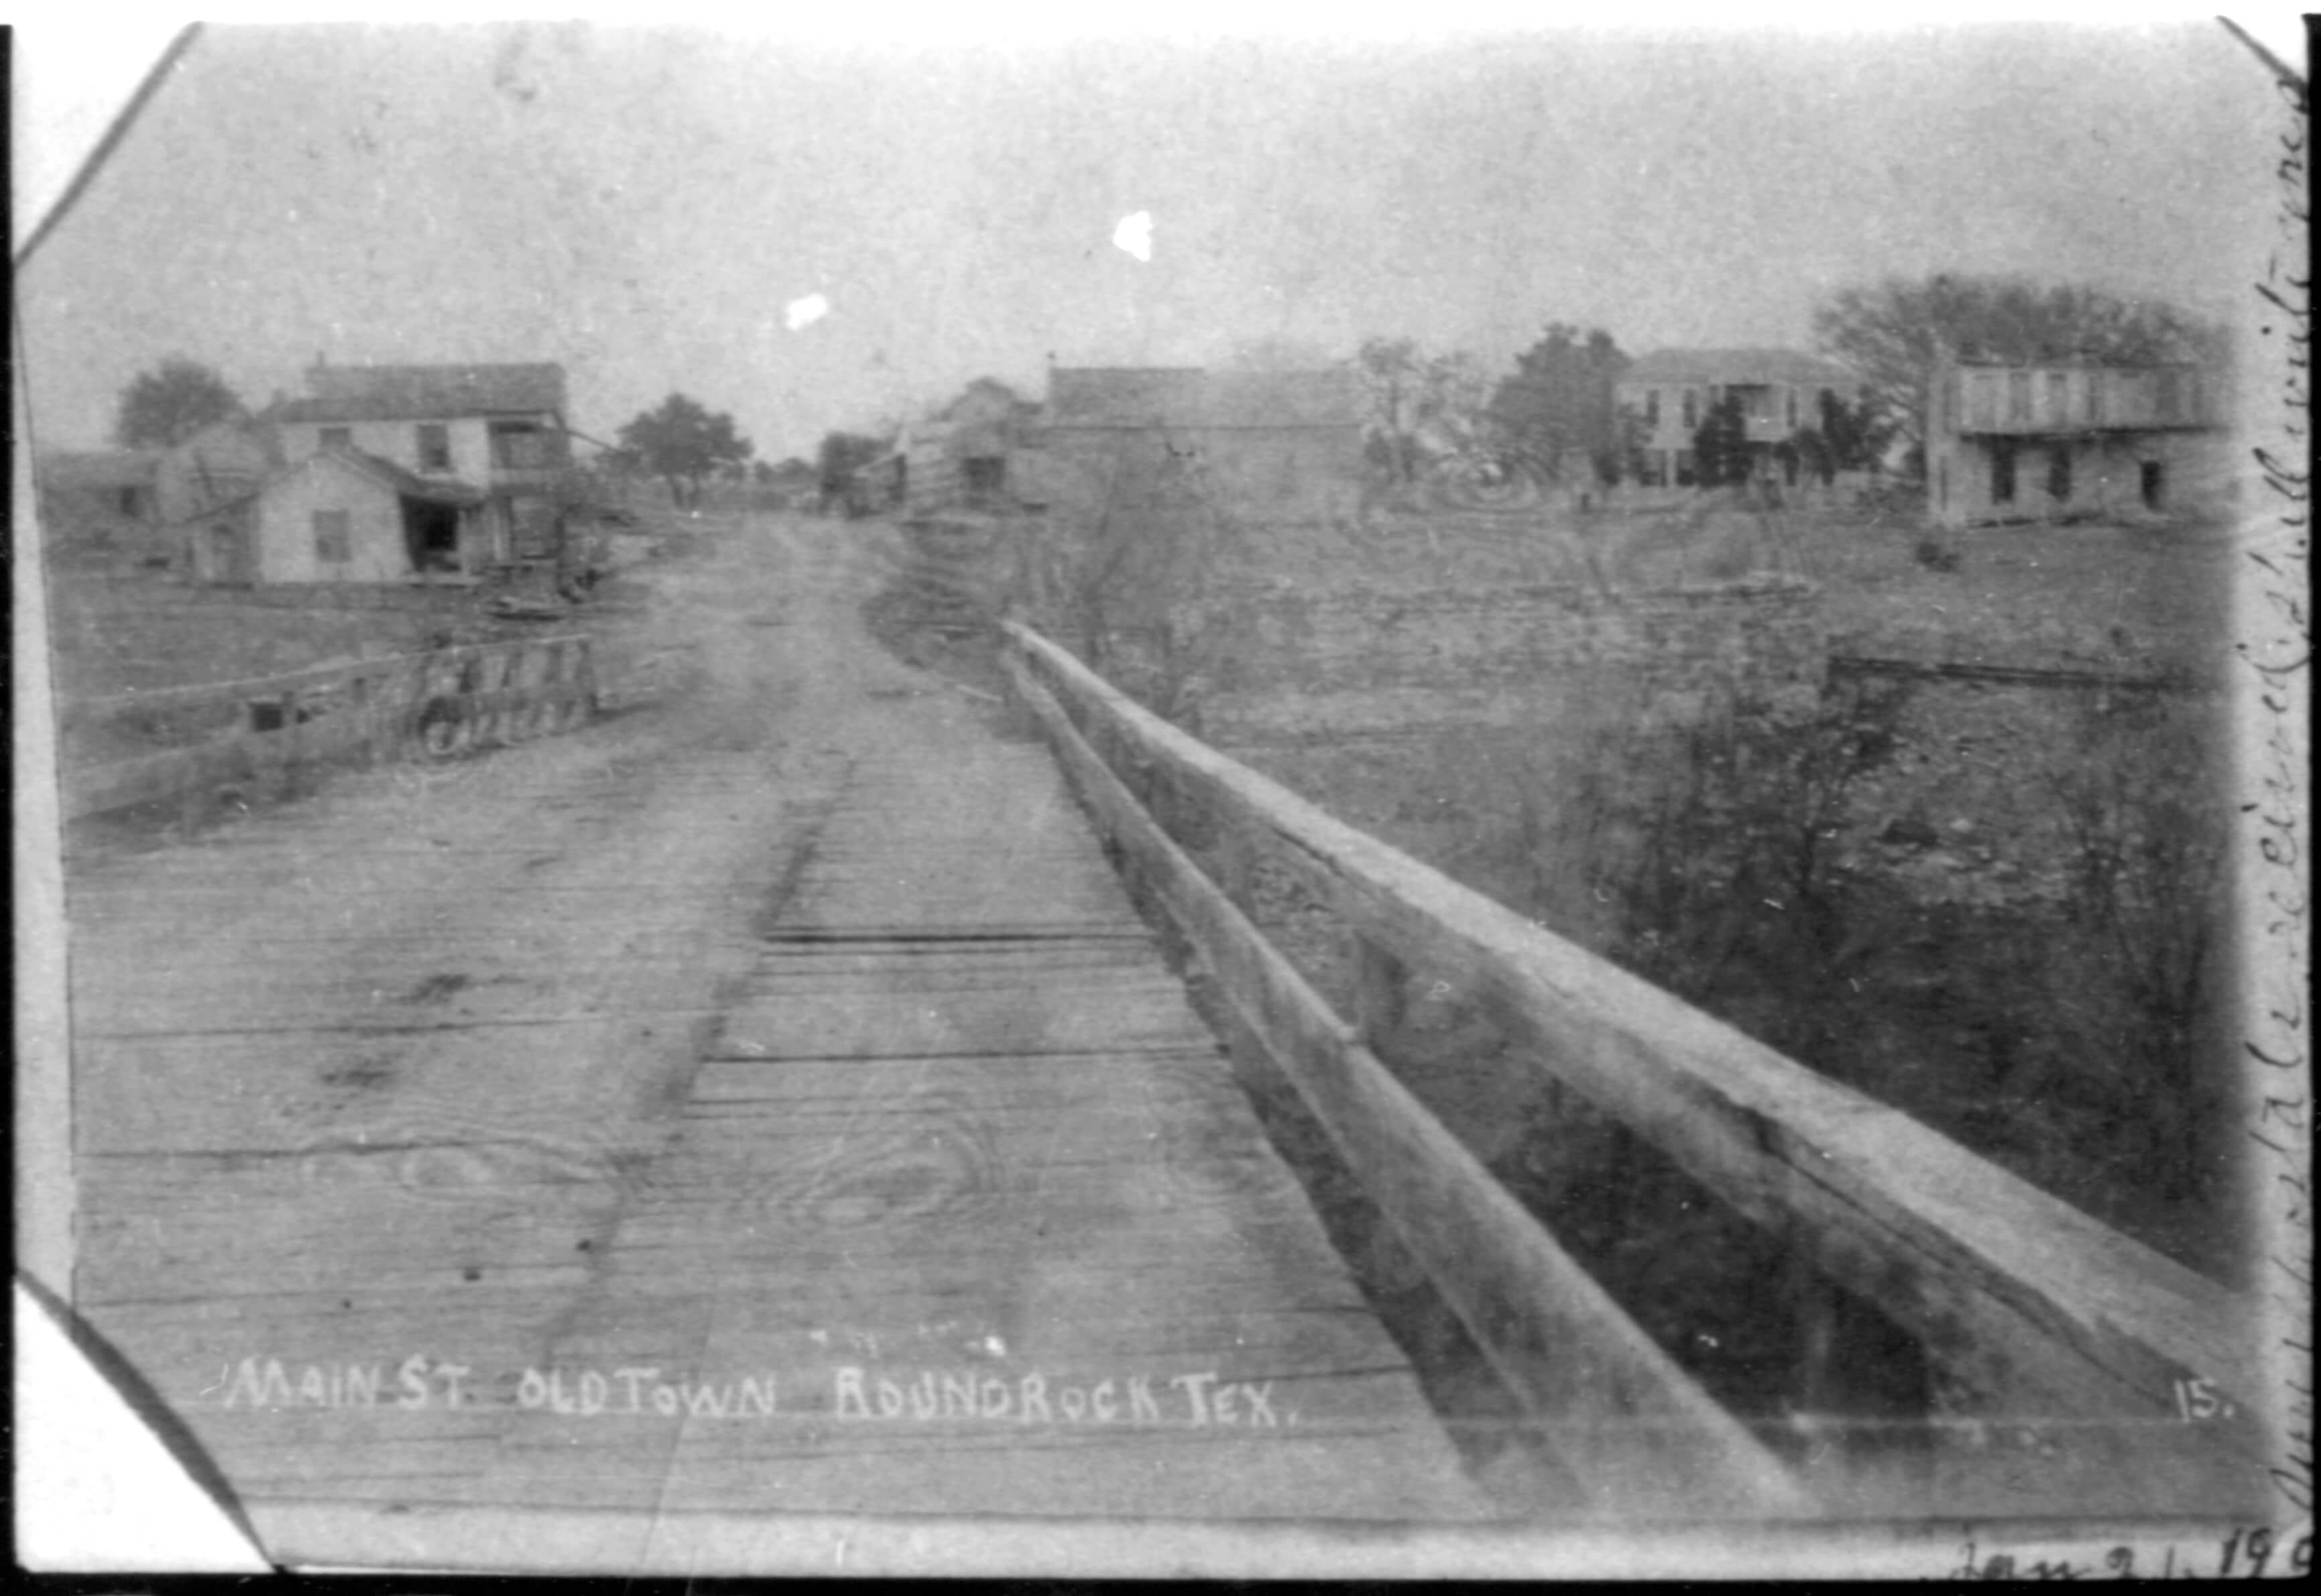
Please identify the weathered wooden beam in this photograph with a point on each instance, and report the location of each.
(383, 700)
(307, 678)
(1625, 1421)
(2028, 1309)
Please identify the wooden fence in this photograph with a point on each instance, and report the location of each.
(259, 731)
(2060, 1352)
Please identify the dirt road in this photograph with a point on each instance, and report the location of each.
(763, 1099)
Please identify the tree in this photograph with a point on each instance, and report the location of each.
(162, 408)
(1894, 334)
(1562, 403)
(684, 445)
(1720, 444)
(1423, 408)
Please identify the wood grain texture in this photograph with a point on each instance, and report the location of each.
(1615, 1409)
(770, 1106)
(2031, 1311)
(475, 695)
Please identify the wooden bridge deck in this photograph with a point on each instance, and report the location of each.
(778, 1110)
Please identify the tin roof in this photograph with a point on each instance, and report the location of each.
(433, 490)
(413, 393)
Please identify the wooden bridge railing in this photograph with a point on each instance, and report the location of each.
(431, 704)
(2043, 1329)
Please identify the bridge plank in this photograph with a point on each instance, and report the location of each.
(834, 1057)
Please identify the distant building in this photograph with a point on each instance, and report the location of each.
(117, 483)
(98, 508)
(1672, 391)
(219, 465)
(2048, 441)
(880, 484)
(1259, 444)
(957, 458)
(341, 515)
(496, 432)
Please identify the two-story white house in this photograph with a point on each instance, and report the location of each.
(492, 434)
(1671, 392)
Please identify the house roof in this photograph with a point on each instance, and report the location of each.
(95, 469)
(218, 508)
(1191, 397)
(985, 397)
(413, 393)
(1744, 366)
(432, 490)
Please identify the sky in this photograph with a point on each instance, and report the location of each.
(662, 207)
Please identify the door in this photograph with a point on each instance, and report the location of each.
(214, 552)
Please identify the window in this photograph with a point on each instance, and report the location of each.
(2002, 471)
(336, 438)
(434, 447)
(521, 446)
(1652, 408)
(333, 539)
(987, 474)
(2018, 398)
(1791, 409)
(1691, 409)
(2059, 474)
(1982, 401)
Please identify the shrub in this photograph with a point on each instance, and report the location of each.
(2135, 812)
